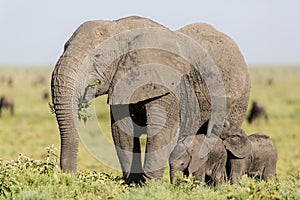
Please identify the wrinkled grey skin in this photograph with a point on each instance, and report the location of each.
(67, 94)
(8, 103)
(260, 160)
(211, 167)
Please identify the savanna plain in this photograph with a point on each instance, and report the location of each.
(29, 150)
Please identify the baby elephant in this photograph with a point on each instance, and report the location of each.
(260, 161)
(186, 158)
(8, 103)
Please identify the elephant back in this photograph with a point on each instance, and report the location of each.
(231, 64)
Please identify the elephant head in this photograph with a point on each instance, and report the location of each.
(235, 140)
(185, 156)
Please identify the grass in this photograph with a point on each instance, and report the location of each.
(33, 128)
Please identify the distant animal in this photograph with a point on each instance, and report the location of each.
(259, 162)
(10, 82)
(8, 103)
(257, 110)
(46, 95)
(270, 82)
(6, 81)
(186, 158)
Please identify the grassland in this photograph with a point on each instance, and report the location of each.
(33, 128)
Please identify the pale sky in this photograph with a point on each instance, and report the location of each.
(33, 32)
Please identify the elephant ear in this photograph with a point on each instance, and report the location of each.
(196, 161)
(141, 91)
(239, 145)
(142, 74)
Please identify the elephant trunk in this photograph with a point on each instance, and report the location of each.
(69, 140)
(67, 85)
(173, 175)
(66, 109)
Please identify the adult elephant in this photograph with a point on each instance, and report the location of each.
(163, 83)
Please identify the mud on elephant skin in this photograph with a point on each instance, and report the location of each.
(112, 57)
(186, 157)
(260, 161)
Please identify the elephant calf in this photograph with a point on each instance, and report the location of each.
(260, 160)
(6, 102)
(186, 158)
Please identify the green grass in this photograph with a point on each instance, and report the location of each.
(33, 128)
(25, 178)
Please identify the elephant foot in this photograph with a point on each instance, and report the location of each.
(135, 178)
(141, 178)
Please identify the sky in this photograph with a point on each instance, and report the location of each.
(33, 32)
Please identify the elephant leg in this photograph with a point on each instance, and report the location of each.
(162, 134)
(269, 172)
(126, 138)
(219, 173)
(200, 174)
(236, 170)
